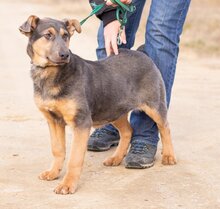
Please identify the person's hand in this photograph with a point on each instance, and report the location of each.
(109, 3)
(111, 31)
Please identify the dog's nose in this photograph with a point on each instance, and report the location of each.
(64, 55)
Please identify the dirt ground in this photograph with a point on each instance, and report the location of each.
(194, 116)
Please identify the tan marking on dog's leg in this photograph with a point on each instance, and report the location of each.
(57, 135)
(125, 132)
(78, 149)
(163, 126)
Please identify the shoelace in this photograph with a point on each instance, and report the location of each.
(139, 147)
(100, 132)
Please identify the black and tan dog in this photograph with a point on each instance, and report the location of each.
(72, 91)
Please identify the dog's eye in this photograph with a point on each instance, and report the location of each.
(48, 36)
(65, 36)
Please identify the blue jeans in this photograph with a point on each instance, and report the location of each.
(163, 29)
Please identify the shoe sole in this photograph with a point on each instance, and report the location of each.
(139, 166)
(101, 149)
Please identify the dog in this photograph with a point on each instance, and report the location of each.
(69, 90)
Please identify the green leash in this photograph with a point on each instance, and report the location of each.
(96, 9)
(121, 15)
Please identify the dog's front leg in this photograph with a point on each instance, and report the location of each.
(78, 149)
(57, 135)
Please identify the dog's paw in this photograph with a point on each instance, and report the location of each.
(168, 160)
(65, 188)
(49, 175)
(112, 161)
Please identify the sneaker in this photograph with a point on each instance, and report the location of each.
(102, 140)
(140, 155)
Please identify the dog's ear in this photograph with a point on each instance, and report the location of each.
(72, 25)
(28, 27)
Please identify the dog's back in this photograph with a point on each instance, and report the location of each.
(122, 83)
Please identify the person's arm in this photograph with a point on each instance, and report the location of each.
(111, 25)
(107, 14)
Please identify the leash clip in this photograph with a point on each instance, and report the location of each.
(119, 40)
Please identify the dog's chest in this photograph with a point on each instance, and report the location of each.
(64, 109)
(47, 104)
(45, 82)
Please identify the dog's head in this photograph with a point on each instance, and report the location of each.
(49, 40)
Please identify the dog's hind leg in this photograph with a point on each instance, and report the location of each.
(57, 135)
(125, 132)
(160, 117)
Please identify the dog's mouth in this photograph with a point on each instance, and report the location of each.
(58, 62)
